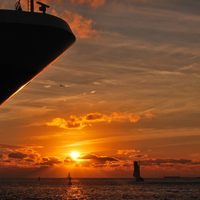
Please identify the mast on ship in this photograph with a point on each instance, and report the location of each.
(136, 172)
(30, 5)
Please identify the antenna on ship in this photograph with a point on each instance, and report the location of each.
(43, 7)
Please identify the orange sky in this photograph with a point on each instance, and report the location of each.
(130, 90)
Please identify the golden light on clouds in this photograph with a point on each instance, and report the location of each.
(82, 27)
(80, 122)
(123, 90)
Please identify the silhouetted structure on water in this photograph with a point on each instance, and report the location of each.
(136, 172)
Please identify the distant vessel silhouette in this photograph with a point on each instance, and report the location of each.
(29, 42)
(69, 179)
(136, 172)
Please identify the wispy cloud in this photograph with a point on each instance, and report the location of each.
(46, 137)
(10, 147)
(127, 151)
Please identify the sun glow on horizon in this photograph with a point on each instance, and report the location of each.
(74, 155)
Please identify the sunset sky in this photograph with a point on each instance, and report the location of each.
(130, 89)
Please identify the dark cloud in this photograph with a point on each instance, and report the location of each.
(50, 161)
(29, 160)
(7, 161)
(17, 155)
(94, 116)
(195, 163)
(97, 159)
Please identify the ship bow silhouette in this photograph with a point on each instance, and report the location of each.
(29, 42)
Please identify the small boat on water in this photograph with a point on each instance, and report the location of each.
(29, 42)
(69, 179)
(136, 172)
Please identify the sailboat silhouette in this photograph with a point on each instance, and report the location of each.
(69, 179)
(136, 172)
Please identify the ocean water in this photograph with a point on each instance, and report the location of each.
(99, 189)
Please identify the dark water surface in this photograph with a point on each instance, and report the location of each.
(104, 189)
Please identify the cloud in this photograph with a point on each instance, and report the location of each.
(80, 122)
(10, 147)
(96, 160)
(69, 160)
(91, 160)
(29, 160)
(73, 123)
(97, 117)
(50, 161)
(149, 115)
(121, 117)
(127, 151)
(164, 162)
(82, 27)
(137, 156)
(45, 137)
(7, 148)
(17, 155)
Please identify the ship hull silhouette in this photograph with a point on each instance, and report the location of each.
(29, 42)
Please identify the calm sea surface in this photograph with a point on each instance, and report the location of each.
(105, 189)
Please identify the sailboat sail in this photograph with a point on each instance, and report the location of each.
(136, 172)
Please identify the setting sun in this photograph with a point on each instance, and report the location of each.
(74, 155)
